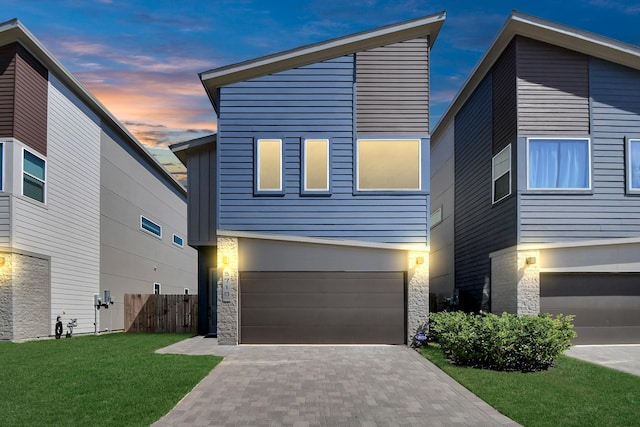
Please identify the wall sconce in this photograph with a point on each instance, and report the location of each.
(530, 260)
(225, 260)
(1, 261)
(419, 260)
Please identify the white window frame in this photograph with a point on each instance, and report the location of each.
(554, 189)
(259, 189)
(2, 163)
(149, 231)
(44, 182)
(157, 286)
(173, 240)
(186, 291)
(305, 159)
(437, 214)
(494, 178)
(629, 170)
(392, 190)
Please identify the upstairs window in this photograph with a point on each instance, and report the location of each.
(501, 172)
(34, 173)
(178, 241)
(150, 227)
(388, 165)
(315, 167)
(269, 165)
(1, 166)
(633, 166)
(559, 164)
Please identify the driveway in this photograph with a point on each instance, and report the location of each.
(624, 358)
(324, 386)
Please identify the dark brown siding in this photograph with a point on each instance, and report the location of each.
(553, 90)
(392, 84)
(30, 119)
(7, 85)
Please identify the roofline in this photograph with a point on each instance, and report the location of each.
(14, 31)
(180, 149)
(305, 55)
(520, 24)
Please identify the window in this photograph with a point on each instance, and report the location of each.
(156, 288)
(315, 167)
(501, 172)
(178, 241)
(436, 217)
(559, 164)
(388, 165)
(269, 165)
(633, 165)
(150, 226)
(33, 176)
(1, 166)
(186, 291)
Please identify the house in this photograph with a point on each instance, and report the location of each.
(84, 208)
(535, 181)
(309, 207)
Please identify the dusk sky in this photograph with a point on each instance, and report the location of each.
(141, 59)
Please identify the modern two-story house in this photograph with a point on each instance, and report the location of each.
(309, 208)
(536, 181)
(84, 207)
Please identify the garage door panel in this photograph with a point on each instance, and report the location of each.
(321, 317)
(317, 335)
(320, 282)
(319, 300)
(597, 311)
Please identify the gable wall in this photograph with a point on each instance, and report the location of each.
(7, 88)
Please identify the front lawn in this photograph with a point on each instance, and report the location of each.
(572, 393)
(114, 379)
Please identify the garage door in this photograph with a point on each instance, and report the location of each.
(322, 307)
(606, 305)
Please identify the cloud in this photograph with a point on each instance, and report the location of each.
(628, 8)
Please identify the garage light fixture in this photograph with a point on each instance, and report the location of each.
(530, 260)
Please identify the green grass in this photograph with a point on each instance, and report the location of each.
(572, 393)
(114, 379)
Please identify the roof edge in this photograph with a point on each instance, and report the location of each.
(180, 149)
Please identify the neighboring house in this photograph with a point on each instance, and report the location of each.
(309, 207)
(84, 208)
(536, 181)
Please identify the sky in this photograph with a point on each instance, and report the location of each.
(141, 58)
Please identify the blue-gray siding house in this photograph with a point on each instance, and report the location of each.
(310, 206)
(536, 181)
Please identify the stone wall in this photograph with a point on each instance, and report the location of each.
(228, 312)
(417, 293)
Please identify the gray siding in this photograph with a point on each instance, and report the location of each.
(553, 90)
(392, 85)
(202, 184)
(608, 212)
(505, 107)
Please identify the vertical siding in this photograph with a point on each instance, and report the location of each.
(392, 84)
(7, 88)
(480, 227)
(608, 212)
(202, 208)
(306, 102)
(553, 90)
(30, 120)
(68, 227)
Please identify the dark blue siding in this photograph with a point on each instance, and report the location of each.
(316, 101)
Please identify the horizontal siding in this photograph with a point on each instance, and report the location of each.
(392, 86)
(553, 89)
(7, 88)
(30, 120)
(608, 212)
(312, 101)
(5, 220)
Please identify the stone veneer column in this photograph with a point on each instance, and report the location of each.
(515, 285)
(228, 312)
(417, 293)
(528, 282)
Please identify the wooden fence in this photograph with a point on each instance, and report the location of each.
(160, 313)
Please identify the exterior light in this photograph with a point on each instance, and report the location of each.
(225, 260)
(419, 260)
(530, 260)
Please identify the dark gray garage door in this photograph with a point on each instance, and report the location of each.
(322, 307)
(606, 305)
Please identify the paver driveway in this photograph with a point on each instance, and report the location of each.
(325, 386)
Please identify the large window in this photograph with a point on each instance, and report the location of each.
(388, 165)
(269, 165)
(34, 174)
(315, 167)
(501, 171)
(150, 227)
(633, 165)
(1, 166)
(559, 164)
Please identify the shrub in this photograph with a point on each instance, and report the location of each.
(502, 343)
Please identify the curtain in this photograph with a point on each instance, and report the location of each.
(558, 163)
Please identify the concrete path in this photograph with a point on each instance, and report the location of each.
(624, 358)
(324, 386)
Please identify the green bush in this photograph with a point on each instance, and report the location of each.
(502, 343)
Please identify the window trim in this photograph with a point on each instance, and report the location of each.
(394, 191)
(628, 167)
(173, 239)
(159, 236)
(588, 189)
(256, 169)
(44, 182)
(494, 178)
(3, 164)
(303, 169)
(158, 286)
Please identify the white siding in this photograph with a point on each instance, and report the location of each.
(5, 220)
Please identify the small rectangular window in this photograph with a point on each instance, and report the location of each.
(186, 291)
(389, 165)
(269, 165)
(501, 172)
(34, 173)
(177, 240)
(559, 164)
(151, 227)
(315, 168)
(633, 165)
(436, 217)
(156, 288)
(1, 166)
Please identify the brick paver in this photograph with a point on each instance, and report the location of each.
(325, 386)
